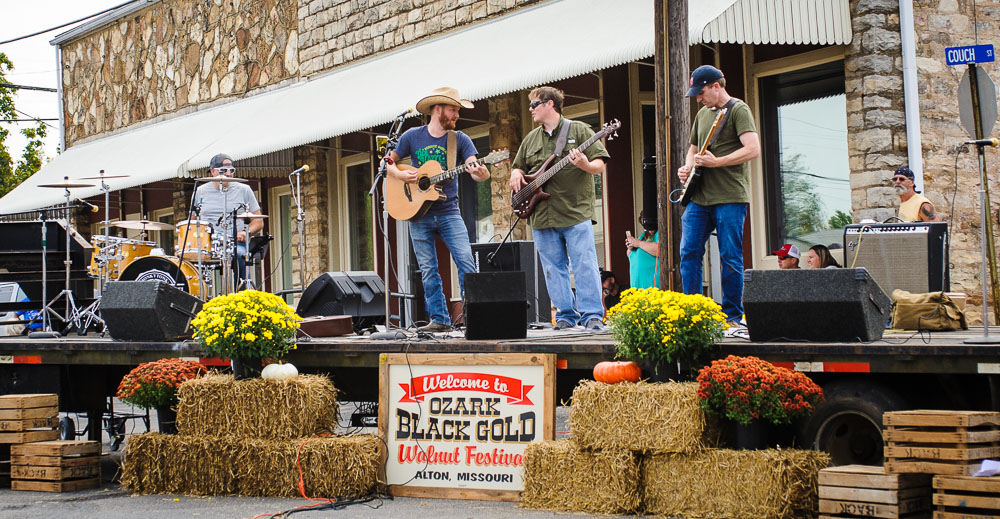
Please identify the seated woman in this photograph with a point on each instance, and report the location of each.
(819, 257)
(643, 268)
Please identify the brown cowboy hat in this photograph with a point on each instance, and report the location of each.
(442, 96)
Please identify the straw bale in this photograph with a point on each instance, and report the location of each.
(217, 405)
(340, 466)
(642, 417)
(558, 475)
(763, 484)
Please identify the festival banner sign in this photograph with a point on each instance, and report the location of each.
(456, 426)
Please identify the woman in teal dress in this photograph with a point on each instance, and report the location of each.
(644, 269)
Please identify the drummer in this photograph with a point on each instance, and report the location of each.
(218, 199)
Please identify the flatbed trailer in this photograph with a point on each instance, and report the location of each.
(908, 370)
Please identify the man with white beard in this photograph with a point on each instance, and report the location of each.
(913, 206)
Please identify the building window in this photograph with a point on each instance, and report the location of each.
(359, 206)
(804, 136)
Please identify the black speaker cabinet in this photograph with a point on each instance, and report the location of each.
(494, 305)
(359, 294)
(517, 256)
(823, 305)
(148, 311)
(911, 256)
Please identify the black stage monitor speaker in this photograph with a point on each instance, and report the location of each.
(517, 256)
(494, 305)
(359, 294)
(912, 256)
(148, 311)
(823, 305)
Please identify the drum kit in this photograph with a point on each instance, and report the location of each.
(201, 247)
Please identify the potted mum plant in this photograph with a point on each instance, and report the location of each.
(153, 385)
(246, 327)
(752, 392)
(659, 328)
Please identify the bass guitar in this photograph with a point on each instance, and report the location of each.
(694, 177)
(406, 200)
(524, 200)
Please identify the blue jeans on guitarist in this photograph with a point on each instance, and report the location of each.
(452, 230)
(697, 225)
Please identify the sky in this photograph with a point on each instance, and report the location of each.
(35, 59)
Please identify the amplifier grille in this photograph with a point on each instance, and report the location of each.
(894, 260)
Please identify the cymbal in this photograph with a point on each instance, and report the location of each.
(223, 179)
(66, 184)
(105, 176)
(143, 225)
(251, 215)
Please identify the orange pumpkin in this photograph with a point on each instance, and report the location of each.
(613, 372)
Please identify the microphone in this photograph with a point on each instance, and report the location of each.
(303, 169)
(197, 207)
(406, 112)
(984, 142)
(93, 208)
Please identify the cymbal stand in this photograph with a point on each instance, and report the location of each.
(71, 314)
(46, 331)
(91, 314)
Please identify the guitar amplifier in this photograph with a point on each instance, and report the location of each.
(911, 256)
(515, 256)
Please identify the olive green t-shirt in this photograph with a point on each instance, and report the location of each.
(727, 184)
(572, 189)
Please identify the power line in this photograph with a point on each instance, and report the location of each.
(815, 175)
(25, 87)
(24, 120)
(65, 24)
(37, 118)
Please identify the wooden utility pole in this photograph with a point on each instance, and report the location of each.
(673, 123)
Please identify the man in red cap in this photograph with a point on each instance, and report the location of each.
(788, 256)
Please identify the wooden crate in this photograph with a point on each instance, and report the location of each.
(56, 466)
(29, 400)
(29, 418)
(864, 491)
(26, 424)
(966, 497)
(940, 442)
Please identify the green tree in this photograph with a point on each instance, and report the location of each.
(803, 207)
(839, 219)
(11, 173)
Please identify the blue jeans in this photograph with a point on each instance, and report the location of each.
(451, 229)
(558, 248)
(240, 266)
(697, 224)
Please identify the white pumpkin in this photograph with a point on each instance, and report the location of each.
(279, 372)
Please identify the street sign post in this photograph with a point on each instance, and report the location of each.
(969, 54)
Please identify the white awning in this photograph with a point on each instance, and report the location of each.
(543, 43)
(817, 22)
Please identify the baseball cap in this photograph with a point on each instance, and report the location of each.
(787, 250)
(703, 75)
(219, 159)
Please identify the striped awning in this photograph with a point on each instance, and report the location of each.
(816, 22)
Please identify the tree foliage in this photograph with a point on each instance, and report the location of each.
(839, 219)
(13, 173)
(802, 205)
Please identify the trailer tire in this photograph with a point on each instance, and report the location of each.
(67, 428)
(848, 424)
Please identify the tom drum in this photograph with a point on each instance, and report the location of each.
(119, 252)
(194, 237)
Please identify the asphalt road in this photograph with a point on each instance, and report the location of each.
(111, 501)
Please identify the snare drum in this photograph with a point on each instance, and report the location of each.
(194, 237)
(164, 268)
(118, 252)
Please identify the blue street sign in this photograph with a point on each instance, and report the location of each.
(969, 54)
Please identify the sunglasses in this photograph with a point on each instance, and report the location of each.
(535, 104)
(900, 179)
(226, 171)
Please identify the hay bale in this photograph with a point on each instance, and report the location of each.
(642, 417)
(729, 483)
(217, 405)
(341, 466)
(558, 475)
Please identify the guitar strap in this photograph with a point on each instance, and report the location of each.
(452, 148)
(563, 136)
(725, 118)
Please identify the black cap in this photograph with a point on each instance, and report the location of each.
(703, 75)
(219, 159)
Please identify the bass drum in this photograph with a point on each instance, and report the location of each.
(163, 268)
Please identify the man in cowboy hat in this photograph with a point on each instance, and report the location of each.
(562, 225)
(423, 144)
(913, 206)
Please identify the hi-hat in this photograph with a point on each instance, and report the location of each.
(66, 184)
(143, 225)
(251, 215)
(103, 177)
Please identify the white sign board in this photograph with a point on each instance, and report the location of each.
(456, 426)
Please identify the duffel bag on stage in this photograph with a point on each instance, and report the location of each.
(933, 311)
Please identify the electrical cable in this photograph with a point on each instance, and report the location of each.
(19, 38)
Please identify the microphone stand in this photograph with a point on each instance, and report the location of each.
(489, 257)
(300, 215)
(390, 146)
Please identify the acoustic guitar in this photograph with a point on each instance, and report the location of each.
(406, 200)
(694, 178)
(524, 200)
